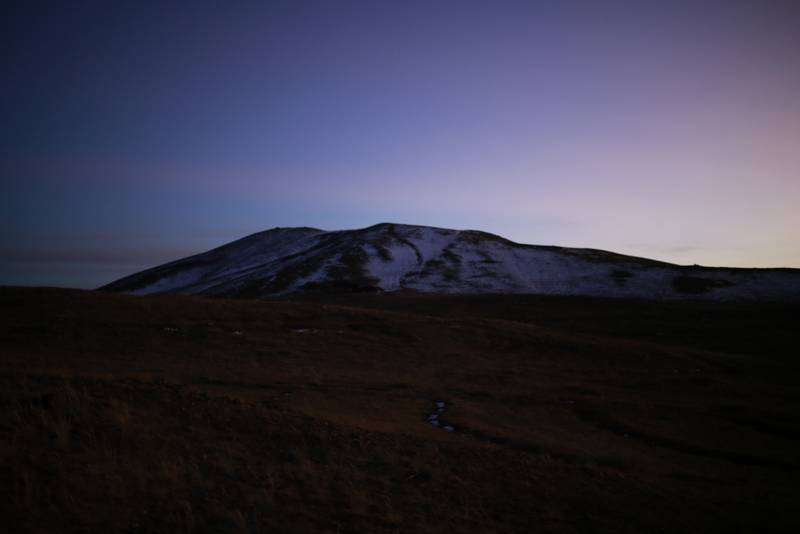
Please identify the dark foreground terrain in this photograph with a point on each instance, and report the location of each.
(178, 414)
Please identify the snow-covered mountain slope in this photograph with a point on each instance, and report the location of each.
(391, 257)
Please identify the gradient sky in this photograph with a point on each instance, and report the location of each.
(140, 132)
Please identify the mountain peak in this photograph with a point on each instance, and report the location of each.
(391, 256)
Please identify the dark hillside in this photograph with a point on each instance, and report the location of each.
(183, 414)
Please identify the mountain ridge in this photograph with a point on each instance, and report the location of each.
(388, 257)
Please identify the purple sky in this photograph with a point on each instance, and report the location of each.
(137, 135)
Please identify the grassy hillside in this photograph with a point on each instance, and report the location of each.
(179, 414)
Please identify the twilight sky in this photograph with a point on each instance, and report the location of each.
(135, 133)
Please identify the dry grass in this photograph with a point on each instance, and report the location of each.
(122, 414)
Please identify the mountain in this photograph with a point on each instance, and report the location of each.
(392, 257)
